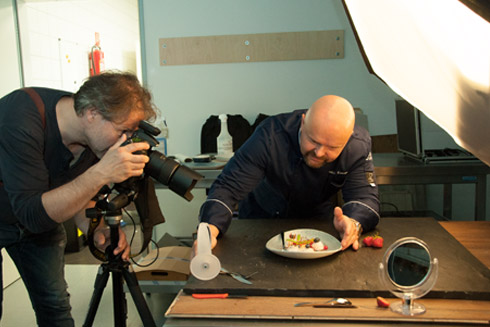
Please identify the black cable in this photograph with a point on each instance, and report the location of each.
(134, 226)
(131, 243)
(390, 204)
(153, 261)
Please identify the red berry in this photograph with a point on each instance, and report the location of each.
(382, 302)
(378, 242)
(368, 241)
(325, 247)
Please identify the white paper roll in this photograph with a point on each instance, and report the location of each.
(204, 266)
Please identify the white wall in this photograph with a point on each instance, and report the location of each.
(57, 36)
(188, 94)
(9, 56)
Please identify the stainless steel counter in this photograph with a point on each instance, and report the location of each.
(396, 169)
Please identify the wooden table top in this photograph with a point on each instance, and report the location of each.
(473, 235)
(268, 310)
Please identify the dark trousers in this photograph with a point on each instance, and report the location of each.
(40, 261)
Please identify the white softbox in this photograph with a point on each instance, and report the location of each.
(436, 55)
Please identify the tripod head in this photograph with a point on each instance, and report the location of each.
(111, 212)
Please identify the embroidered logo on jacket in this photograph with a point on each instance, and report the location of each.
(370, 178)
(338, 172)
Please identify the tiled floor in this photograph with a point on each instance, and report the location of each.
(17, 310)
(80, 271)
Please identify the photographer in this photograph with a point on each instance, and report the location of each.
(53, 162)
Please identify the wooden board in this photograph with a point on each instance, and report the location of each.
(309, 45)
(264, 307)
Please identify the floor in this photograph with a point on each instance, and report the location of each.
(80, 271)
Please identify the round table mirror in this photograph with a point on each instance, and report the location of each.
(409, 264)
(409, 272)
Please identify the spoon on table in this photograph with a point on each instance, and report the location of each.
(239, 277)
(338, 302)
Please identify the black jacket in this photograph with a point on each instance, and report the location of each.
(33, 158)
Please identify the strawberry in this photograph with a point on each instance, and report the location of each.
(368, 241)
(382, 303)
(378, 242)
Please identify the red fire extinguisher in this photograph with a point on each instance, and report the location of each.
(96, 57)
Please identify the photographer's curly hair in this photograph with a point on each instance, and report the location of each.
(114, 95)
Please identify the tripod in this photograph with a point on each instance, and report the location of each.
(119, 270)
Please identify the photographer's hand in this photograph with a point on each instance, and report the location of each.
(123, 246)
(116, 165)
(102, 240)
(120, 162)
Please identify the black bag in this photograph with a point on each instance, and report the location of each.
(260, 118)
(238, 127)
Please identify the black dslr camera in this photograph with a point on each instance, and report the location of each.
(169, 172)
(141, 189)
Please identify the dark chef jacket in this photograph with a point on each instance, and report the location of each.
(270, 178)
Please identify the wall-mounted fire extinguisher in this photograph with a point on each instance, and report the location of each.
(96, 57)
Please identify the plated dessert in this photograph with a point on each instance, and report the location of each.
(303, 243)
(297, 242)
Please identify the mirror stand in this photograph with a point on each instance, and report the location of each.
(407, 307)
(409, 272)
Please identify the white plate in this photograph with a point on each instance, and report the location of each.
(275, 245)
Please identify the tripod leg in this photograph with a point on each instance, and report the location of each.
(119, 299)
(100, 284)
(137, 295)
(119, 270)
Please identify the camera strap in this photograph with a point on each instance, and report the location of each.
(94, 222)
(148, 208)
(36, 98)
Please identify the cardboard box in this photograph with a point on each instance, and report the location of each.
(172, 263)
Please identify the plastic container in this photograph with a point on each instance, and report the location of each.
(225, 141)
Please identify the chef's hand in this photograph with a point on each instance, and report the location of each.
(214, 238)
(347, 229)
(214, 235)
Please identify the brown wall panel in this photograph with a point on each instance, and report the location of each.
(252, 47)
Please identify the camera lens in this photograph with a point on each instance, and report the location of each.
(171, 173)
